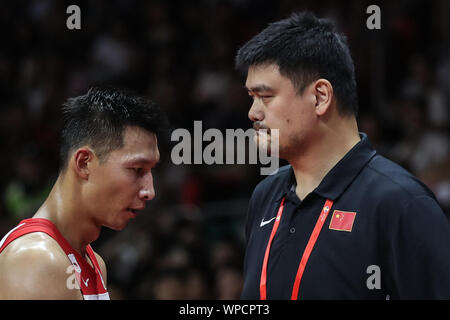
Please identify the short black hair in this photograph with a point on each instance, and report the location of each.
(305, 48)
(99, 117)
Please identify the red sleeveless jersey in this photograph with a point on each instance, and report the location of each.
(80, 274)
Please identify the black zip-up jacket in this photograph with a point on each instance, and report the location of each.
(395, 243)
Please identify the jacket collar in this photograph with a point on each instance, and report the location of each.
(342, 174)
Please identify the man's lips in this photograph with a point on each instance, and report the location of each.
(135, 210)
(258, 126)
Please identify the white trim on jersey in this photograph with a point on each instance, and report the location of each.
(11, 231)
(100, 296)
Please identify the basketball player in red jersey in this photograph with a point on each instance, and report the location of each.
(109, 147)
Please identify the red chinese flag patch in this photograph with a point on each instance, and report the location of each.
(342, 220)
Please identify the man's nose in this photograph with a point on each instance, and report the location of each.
(147, 192)
(255, 113)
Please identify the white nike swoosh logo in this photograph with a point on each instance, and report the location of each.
(85, 282)
(263, 223)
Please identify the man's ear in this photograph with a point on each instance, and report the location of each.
(324, 94)
(82, 157)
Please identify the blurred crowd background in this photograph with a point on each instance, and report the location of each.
(189, 242)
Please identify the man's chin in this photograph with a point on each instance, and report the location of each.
(265, 144)
(262, 142)
(117, 226)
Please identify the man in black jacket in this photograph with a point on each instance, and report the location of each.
(340, 221)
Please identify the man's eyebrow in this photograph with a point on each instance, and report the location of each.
(141, 160)
(258, 88)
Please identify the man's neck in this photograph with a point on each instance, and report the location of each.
(63, 209)
(312, 166)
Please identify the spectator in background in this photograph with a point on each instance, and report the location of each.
(228, 283)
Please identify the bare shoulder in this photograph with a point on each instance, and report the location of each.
(35, 267)
(102, 265)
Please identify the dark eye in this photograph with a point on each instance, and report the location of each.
(138, 171)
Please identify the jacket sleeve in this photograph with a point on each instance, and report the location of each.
(419, 251)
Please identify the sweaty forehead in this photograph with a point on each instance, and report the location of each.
(140, 144)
